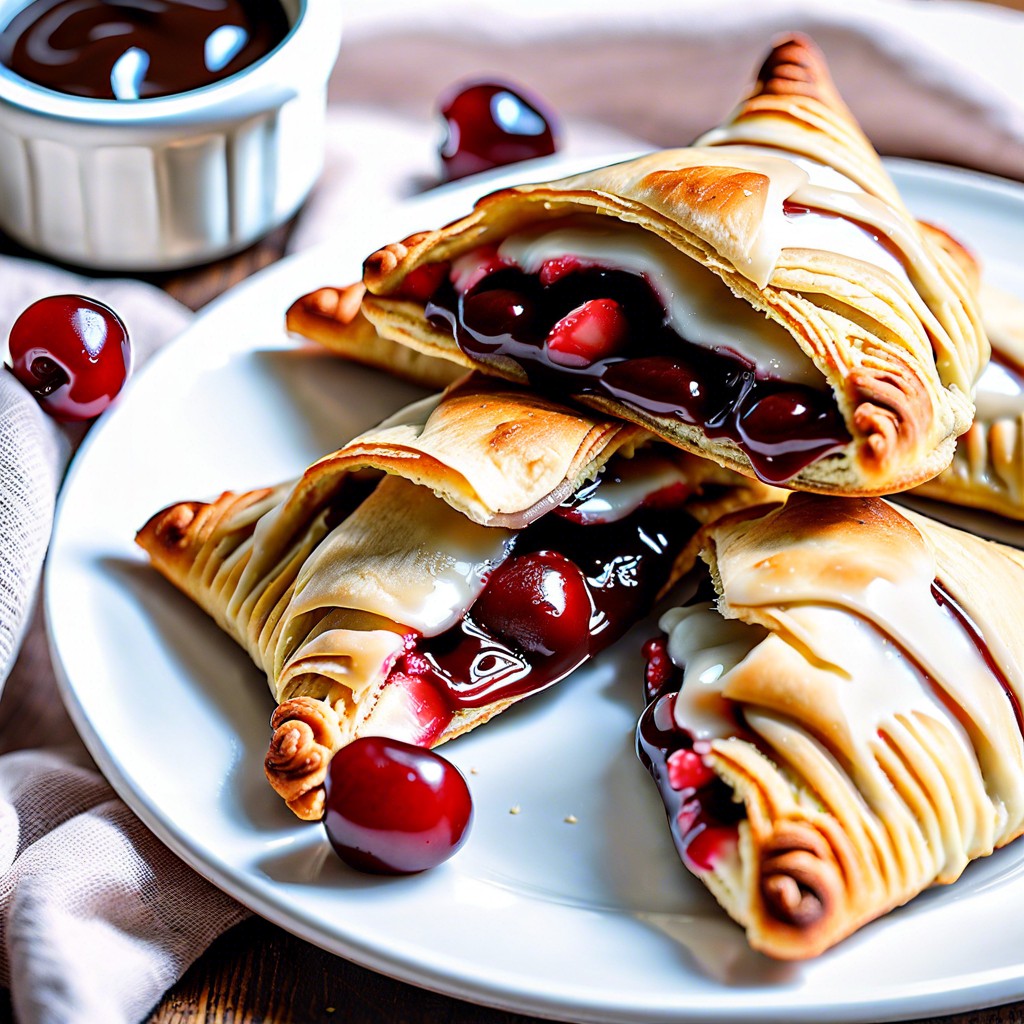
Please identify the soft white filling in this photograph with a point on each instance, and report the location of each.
(699, 305)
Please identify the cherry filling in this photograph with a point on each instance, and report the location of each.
(702, 815)
(567, 591)
(574, 323)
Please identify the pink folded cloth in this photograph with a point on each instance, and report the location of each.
(97, 917)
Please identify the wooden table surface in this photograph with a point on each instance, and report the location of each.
(258, 972)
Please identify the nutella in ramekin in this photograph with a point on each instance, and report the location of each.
(154, 134)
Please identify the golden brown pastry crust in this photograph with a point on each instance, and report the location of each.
(987, 471)
(333, 317)
(323, 584)
(880, 750)
(900, 354)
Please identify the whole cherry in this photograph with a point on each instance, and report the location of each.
(72, 353)
(539, 602)
(490, 124)
(393, 808)
(498, 312)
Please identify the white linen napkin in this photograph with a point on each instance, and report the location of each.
(96, 917)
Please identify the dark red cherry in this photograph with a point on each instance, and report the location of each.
(490, 124)
(498, 312)
(539, 602)
(421, 283)
(591, 332)
(393, 808)
(780, 417)
(72, 353)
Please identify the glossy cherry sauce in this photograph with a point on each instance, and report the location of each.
(701, 813)
(540, 635)
(138, 49)
(781, 426)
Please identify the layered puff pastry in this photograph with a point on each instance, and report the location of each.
(471, 550)
(840, 726)
(987, 470)
(762, 298)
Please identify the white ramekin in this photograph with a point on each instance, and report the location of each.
(162, 183)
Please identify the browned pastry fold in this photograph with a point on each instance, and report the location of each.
(333, 317)
(329, 581)
(789, 206)
(863, 713)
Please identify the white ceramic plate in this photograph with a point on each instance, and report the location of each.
(591, 921)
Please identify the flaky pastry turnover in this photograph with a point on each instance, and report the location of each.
(471, 550)
(840, 726)
(762, 298)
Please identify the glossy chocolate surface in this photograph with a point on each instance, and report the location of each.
(138, 49)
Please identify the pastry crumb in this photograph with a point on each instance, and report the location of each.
(473, 771)
(514, 809)
(570, 819)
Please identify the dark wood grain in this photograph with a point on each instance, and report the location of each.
(257, 972)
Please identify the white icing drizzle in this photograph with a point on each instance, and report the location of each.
(866, 664)
(707, 647)
(873, 652)
(406, 555)
(826, 232)
(1000, 394)
(806, 182)
(700, 306)
(868, 678)
(626, 484)
(817, 173)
